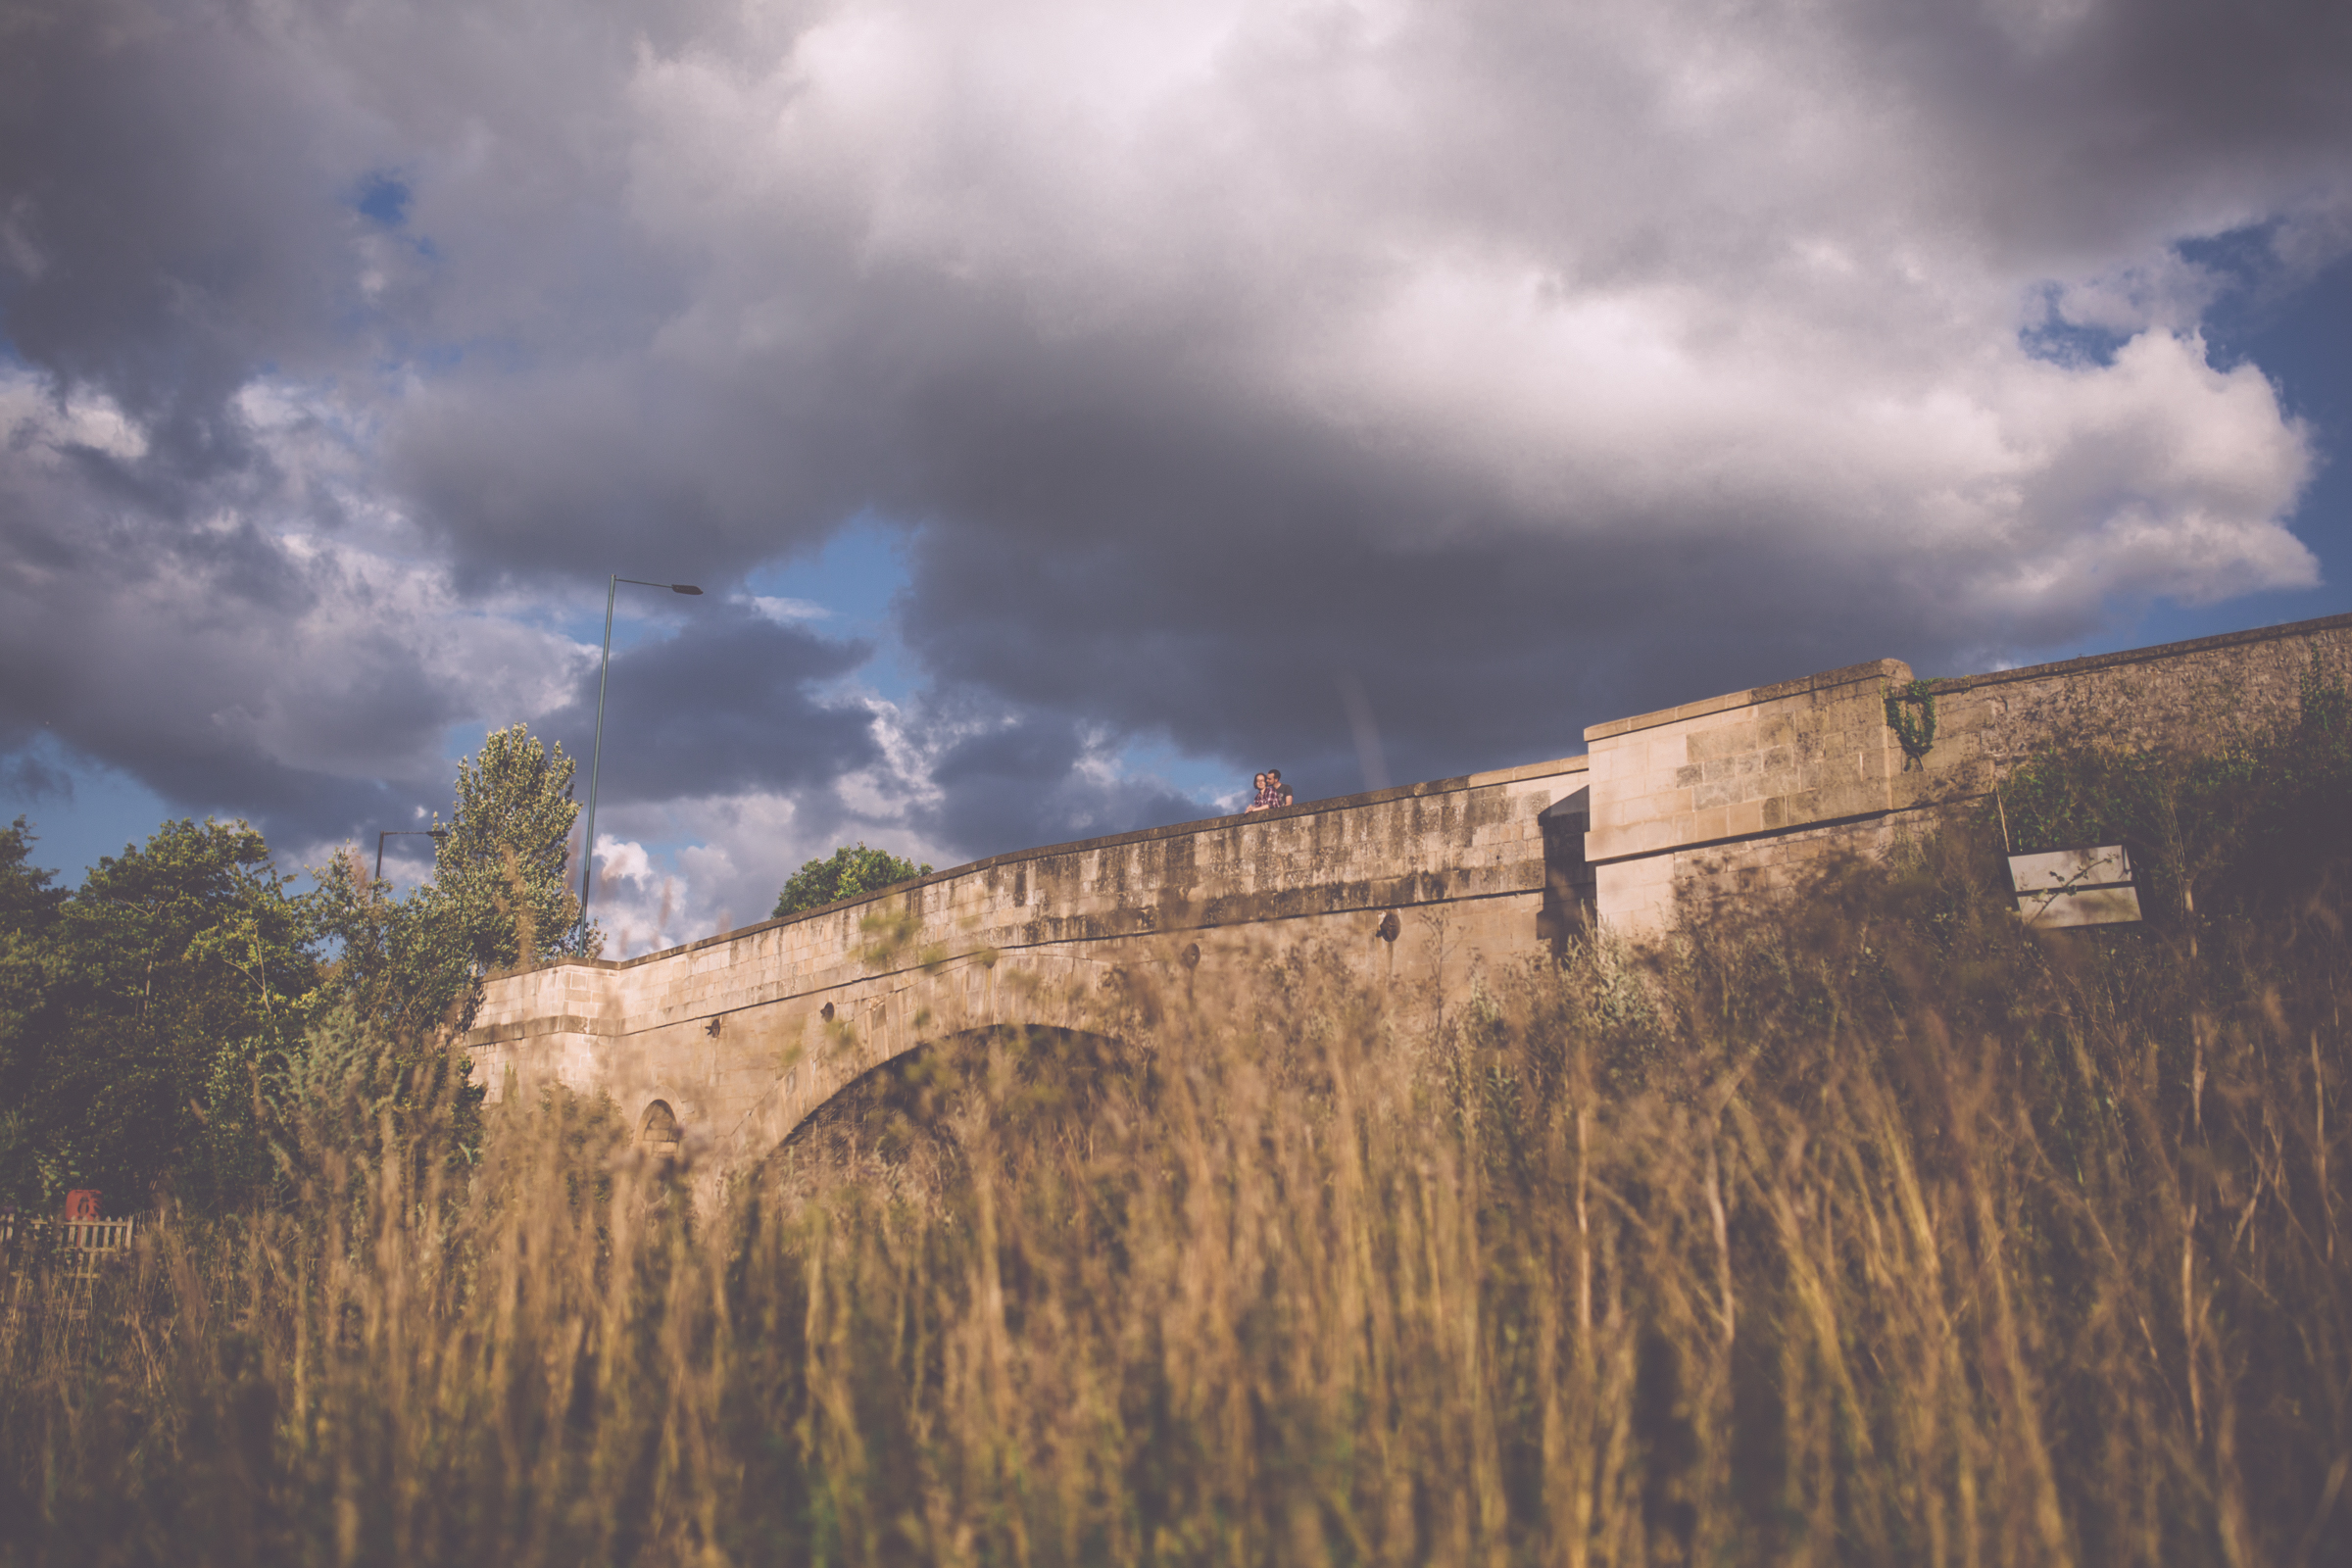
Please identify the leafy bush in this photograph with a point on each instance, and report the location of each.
(158, 1023)
(2257, 825)
(848, 873)
(154, 1011)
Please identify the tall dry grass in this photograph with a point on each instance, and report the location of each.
(1874, 1231)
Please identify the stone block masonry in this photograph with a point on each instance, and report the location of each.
(1421, 890)
(1752, 765)
(1739, 794)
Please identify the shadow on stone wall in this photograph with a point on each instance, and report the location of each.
(923, 1109)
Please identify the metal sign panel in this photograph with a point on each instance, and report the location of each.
(2075, 887)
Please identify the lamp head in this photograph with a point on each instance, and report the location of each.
(684, 588)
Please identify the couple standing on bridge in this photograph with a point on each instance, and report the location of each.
(1271, 792)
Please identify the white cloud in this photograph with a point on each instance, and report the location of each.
(38, 425)
(637, 906)
(726, 858)
(787, 610)
(2167, 292)
(624, 860)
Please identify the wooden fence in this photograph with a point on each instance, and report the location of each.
(76, 1249)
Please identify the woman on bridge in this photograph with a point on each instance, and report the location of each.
(1270, 792)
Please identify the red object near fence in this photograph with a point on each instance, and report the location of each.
(82, 1203)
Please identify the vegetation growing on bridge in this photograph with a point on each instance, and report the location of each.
(1879, 1231)
(2258, 824)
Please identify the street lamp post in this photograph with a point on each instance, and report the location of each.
(596, 757)
(436, 834)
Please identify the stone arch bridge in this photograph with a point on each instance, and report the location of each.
(725, 1045)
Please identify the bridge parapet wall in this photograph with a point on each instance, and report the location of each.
(740, 1034)
(1736, 794)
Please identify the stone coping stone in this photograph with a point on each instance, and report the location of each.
(1874, 669)
(1894, 669)
(2142, 656)
(1207, 825)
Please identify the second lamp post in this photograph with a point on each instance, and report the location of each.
(597, 757)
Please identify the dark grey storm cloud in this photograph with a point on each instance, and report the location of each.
(1025, 783)
(726, 704)
(172, 222)
(1241, 648)
(1521, 365)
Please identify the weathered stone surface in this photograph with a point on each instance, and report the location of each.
(1745, 792)
(733, 1034)
(1764, 760)
(1673, 813)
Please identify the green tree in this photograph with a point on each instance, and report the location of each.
(28, 901)
(849, 872)
(172, 992)
(29, 907)
(499, 873)
(409, 970)
(405, 969)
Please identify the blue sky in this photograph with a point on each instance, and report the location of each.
(2300, 338)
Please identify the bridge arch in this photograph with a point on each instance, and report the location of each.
(658, 1132)
(1036, 1073)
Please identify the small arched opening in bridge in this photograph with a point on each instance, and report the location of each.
(1031, 1081)
(658, 1131)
